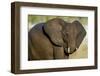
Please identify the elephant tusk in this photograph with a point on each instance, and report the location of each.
(76, 48)
(68, 50)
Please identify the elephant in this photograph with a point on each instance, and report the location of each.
(54, 39)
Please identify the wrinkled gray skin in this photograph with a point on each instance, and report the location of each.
(55, 39)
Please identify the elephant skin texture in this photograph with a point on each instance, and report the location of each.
(54, 39)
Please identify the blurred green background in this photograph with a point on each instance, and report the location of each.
(34, 19)
(82, 51)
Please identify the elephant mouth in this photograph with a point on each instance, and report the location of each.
(69, 51)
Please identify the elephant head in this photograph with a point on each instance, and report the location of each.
(64, 34)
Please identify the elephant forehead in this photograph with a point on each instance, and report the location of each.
(53, 27)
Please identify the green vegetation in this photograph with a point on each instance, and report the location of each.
(34, 19)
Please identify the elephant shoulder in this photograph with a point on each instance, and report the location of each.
(37, 28)
(37, 31)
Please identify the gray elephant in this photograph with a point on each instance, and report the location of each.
(54, 39)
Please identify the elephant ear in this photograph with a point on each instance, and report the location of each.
(80, 33)
(53, 29)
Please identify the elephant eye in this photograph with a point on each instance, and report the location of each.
(66, 33)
